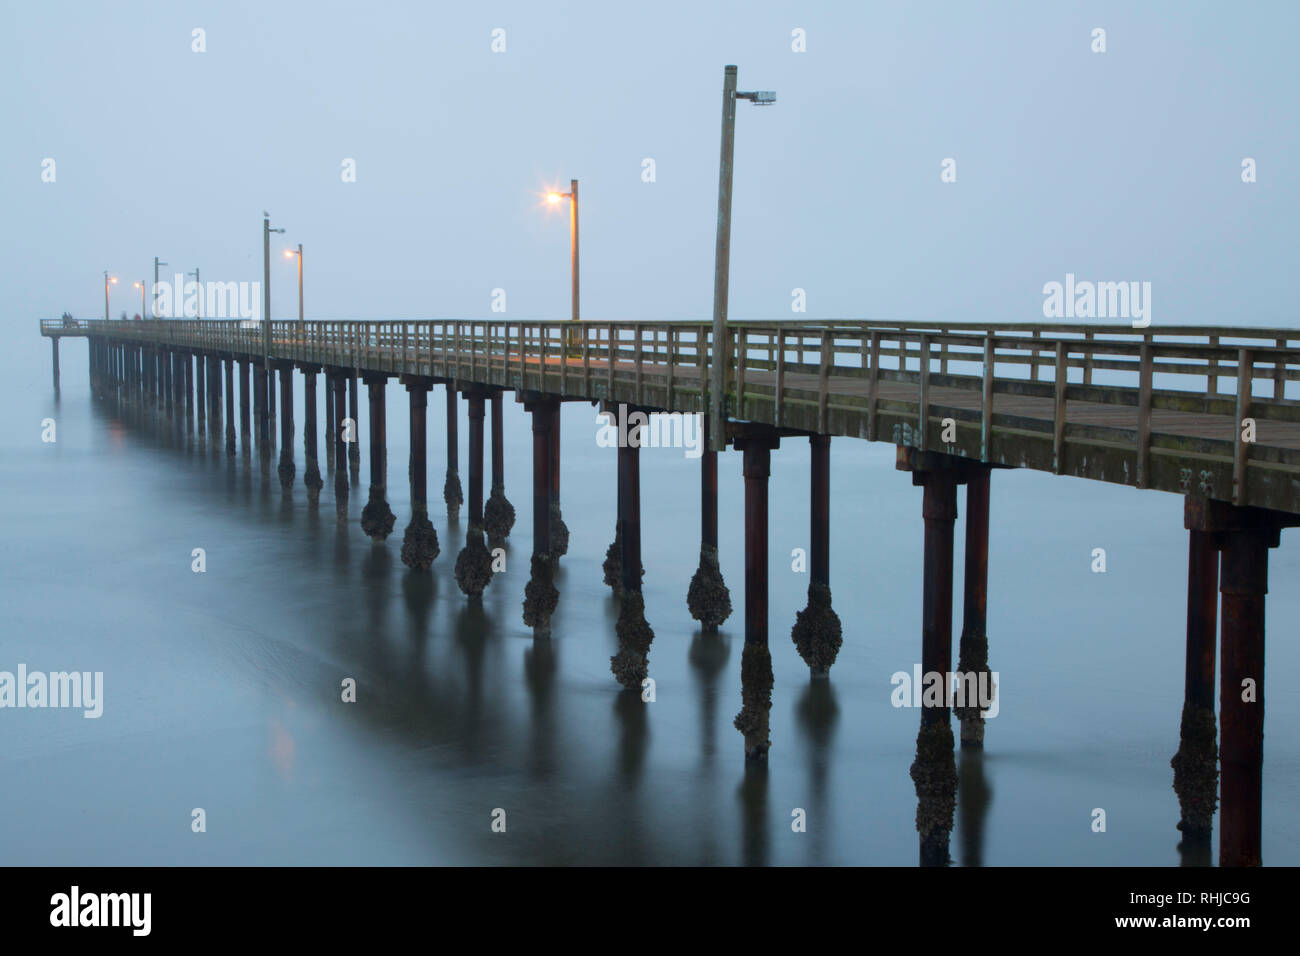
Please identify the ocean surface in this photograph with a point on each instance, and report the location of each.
(221, 689)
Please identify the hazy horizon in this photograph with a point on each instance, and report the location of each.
(1123, 165)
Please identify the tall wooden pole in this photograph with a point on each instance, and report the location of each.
(722, 260)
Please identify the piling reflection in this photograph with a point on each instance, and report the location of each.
(934, 773)
(541, 665)
(755, 826)
(708, 657)
(444, 682)
(974, 797)
(818, 714)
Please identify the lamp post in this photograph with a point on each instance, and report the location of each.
(108, 280)
(156, 263)
(140, 285)
(266, 287)
(289, 254)
(722, 252)
(572, 195)
(198, 292)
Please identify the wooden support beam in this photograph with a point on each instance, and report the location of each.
(1243, 586)
(756, 661)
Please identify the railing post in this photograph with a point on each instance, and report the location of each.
(701, 337)
(609, 386)
(780, 375)
(873, 386)
(742, 347)
(986, 400)
(924, 403)
(639, 331)
(1279, 372)
(1144, 415)
(1058, 419)
(1212, 379)
(672, 363)
(823, 384)
(585, 331)
(1240, 459)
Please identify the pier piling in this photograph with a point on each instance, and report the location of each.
(245, 432)
(934, 772)
(451, 491)
(286, 469)
(708, 598)
(540, 595)
(1196, 770)
(1243, 586)
(377, 519)
(498, 513)
(613, 566)
(817, 630)
(420, 542)
(474, 563)
(631, 664)
(330, 420)
(200, 396)
(973, 646)
(559, 530)
(342, 434)
(311, 479)
(1244, 536)
(756, 660)
(354, 412)
(230, 406)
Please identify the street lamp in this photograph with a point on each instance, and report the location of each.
(266, 287)
(108, 280)
(198, 291)
(156, 263)
(140, 285)
(554, 198)
(722, 252)
(289, 254)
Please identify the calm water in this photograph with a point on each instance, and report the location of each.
(222, 689)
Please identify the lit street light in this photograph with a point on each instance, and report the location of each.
(140, 286)
(289, 254)
(108, 280)
(554, 198)
(722, 252)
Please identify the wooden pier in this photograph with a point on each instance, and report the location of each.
(1196, 411)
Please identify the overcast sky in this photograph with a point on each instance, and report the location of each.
(1122, 165)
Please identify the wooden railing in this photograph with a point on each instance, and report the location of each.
(847, 378)
(63, 326)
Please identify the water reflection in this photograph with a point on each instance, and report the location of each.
(818, 714)
(974, 797)
(469, 712)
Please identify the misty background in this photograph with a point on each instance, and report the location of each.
(1117, 166)
(221, 688)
